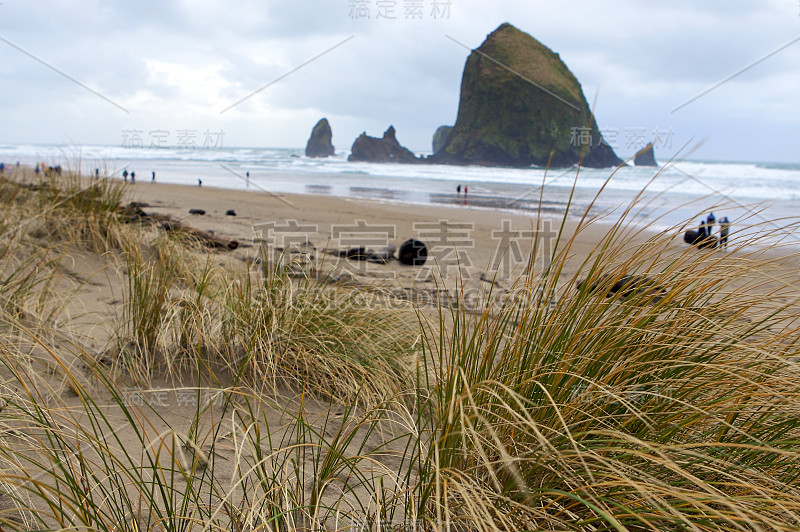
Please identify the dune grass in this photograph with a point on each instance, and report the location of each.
(669, 403)
(665, 409)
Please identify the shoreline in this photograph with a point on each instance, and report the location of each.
(683, 191)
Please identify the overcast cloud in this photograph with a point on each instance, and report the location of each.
(176, 64)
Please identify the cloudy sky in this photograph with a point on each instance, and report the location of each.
(177, 66)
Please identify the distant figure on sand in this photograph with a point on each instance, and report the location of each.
(133, 178)
(702, 231)
(125, 175)
(710, 221)
(199, 182)
(154, 177)
(724, 229)
(2, 167)
(97, 172)
(248, 178)
(458, 190)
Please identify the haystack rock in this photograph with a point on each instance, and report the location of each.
(520, 103)
(440, 138)
(646, 156)
(319, 144)
(383, 150)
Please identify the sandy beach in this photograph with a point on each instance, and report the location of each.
(464, 243)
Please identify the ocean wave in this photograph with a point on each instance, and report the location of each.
(290, 171)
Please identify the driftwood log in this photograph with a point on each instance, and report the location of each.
(359, 253)
(203, 237)
(134, 213)
(384, 255)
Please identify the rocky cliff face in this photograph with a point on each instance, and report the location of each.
(646, 156)
(383, 150)
(440, 138)
(520, 104)
(319, 144)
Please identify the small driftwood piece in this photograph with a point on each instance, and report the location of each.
(203, 237)
(627, 286)
(384, 255)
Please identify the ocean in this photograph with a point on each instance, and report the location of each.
(679, 192)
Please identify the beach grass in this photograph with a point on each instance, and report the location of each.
(655, 390)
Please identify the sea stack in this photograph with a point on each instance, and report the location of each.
(383, 150)
(646, 156)
(520, 104)
(319, 143)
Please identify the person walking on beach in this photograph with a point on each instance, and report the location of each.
(125, 175)
(199, 182)
(154, 177)
(458, 190)
(248, 178)
(710, 221)
(724, 229)
(133, 178)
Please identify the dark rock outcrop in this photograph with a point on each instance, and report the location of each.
(520, 104)
(646, 156)
(440, 138)
(319, 143)
(383, 150)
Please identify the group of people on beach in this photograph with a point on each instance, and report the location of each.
(458, 191)
(706, 229)
(3, 167)
(46, 170)
(125, 176)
